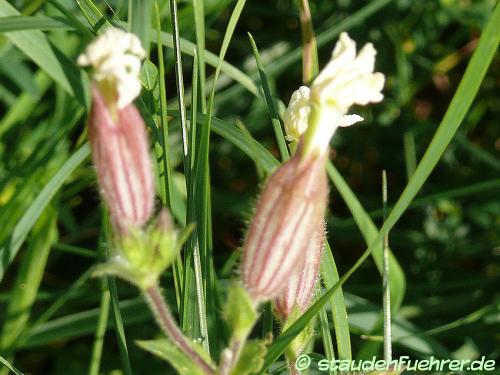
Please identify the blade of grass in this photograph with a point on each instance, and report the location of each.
(193, 310)
(20, 23)
(210, 321)
(326, 336)
(6, 363)
(23, 227)
(202, 170)
(29, 277)
(139, 21)
(212, 59)
(369, 232)
(72, 20)
(386, 287)
(21, 109)
(92, 14)
(241, 139)
(110, 293)
(76, 250)
(35, 45)
(271, 107)
(330, 276)
(164, 151)
(83, 323)
(410, 153)
(478, 153)
(58, 303)
(199, 24)
(110, 283)
(100, 330)
(448, 194)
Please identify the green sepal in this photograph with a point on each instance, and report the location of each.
(119, 267)
(239, 312)
(168, 351)
(251, 358)
(141, 256)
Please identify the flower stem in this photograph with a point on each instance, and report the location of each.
(385, 280)
(167, 323)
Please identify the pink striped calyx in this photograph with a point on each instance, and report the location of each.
(120, 152)
(292, 203)
(300, 289)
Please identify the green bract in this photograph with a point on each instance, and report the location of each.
(142, 255)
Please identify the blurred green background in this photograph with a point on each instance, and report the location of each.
(447, 243)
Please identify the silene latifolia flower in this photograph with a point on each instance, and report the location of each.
(121, 155)
(118, 137)
(141, 251)
(293, 201)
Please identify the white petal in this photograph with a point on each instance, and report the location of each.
(116, 57)
(296, 116)
(349, 79)
(348, 120)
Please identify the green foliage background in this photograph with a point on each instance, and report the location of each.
(446, 243)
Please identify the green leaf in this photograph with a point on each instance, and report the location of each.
(251, 358)
(239, 311)
(149, 75)
(165, 349)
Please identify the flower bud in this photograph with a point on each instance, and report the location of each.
(118, 136)
(292, 204)
(300, 289)
(120, 152)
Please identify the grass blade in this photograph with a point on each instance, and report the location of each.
(35, 45)
(139, 21)
(330, 277)
(271, 106)
(100, 331)
(23, 227)
(202, 172)
(199, 24)
(20, 23)
(29, 277)
(6, 363)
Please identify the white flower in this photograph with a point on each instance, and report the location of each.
(116, 58)
(296, 115)
(346, 80)
(349, 79)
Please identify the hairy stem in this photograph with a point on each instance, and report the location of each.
(167, 323)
